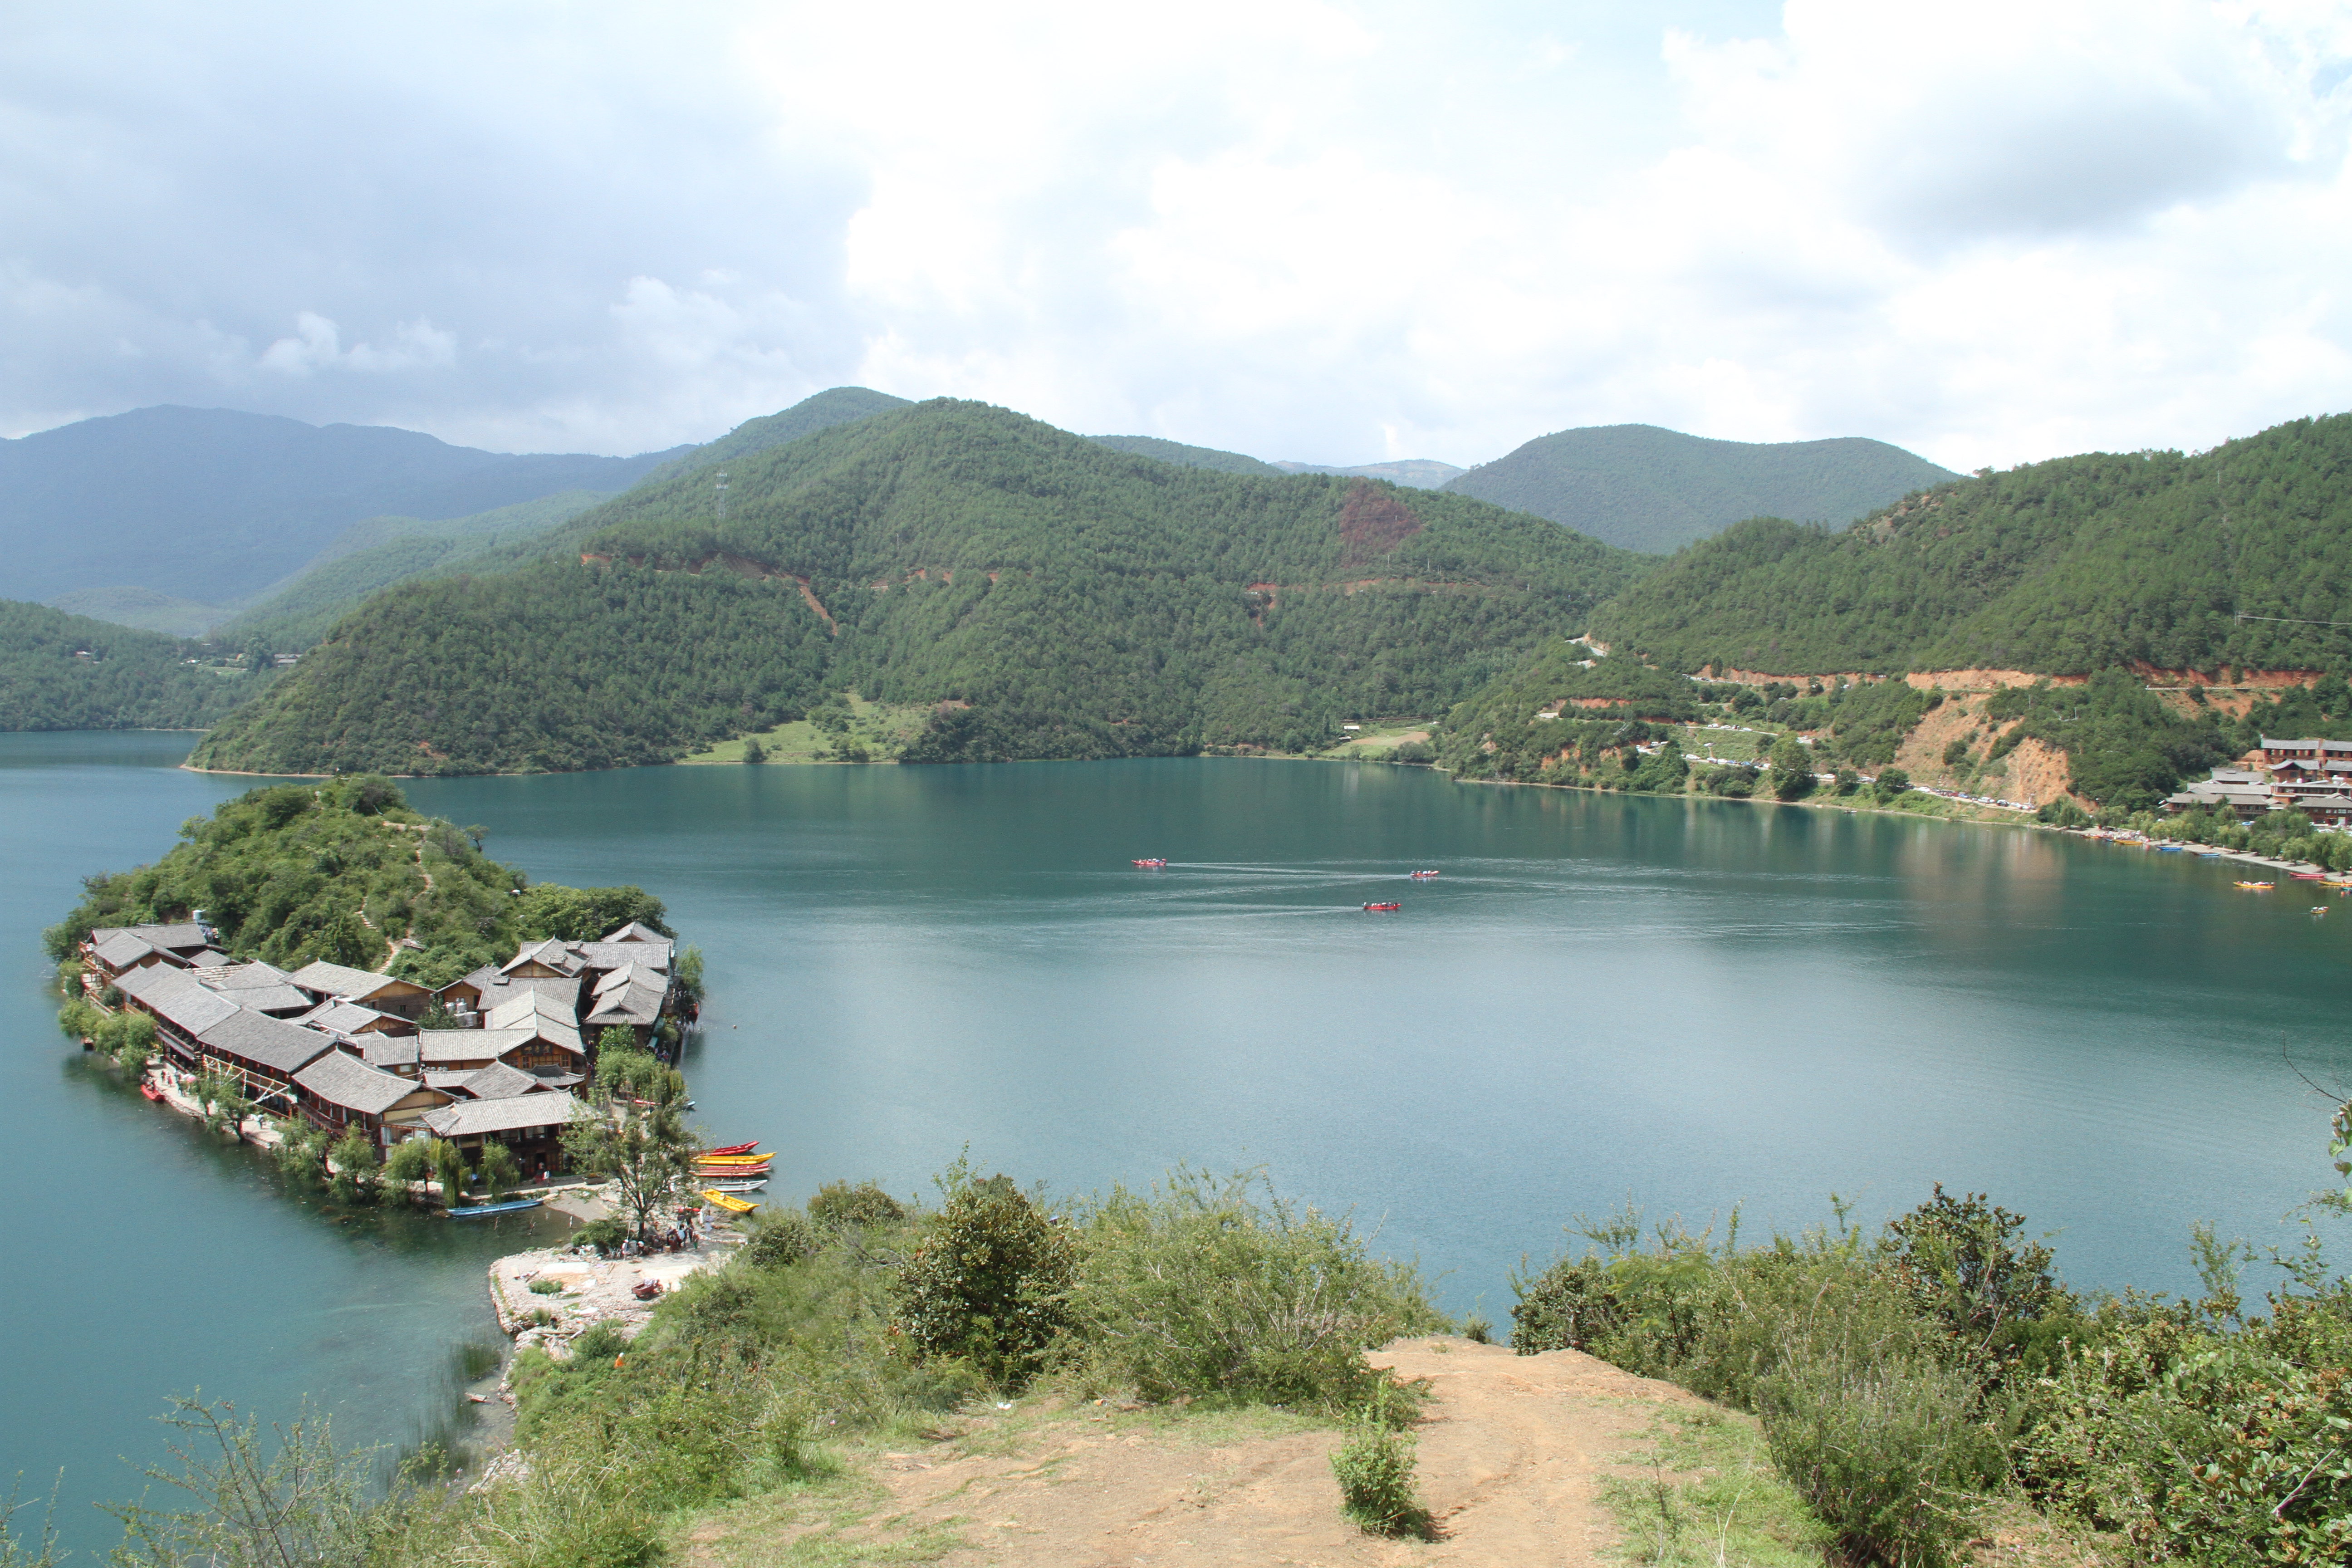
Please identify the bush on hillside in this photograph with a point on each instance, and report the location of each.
(1219, 1288)
(865, 1205)
(989, 1282)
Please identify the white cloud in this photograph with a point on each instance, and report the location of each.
(1326, 230)
(318, 345)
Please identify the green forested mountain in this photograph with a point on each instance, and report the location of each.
(213, 505)
(130, 679)
(1056, 597)
(2070, 566)
(370, 556)
(1420, 473)
(1190, 457)
(819, 411)
(1653, 490)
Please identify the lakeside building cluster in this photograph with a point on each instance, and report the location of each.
(2313, 777)
(346, 1047)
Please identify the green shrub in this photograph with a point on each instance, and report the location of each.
(576, 1507)
(1375, 1471)
(779, 1238)
(1206, 1286)
(865, 1205)
(2063, 812)
(989, 1282)
(603, 1235)
(546, 1288)
(1881, 1447)
(600, 1341)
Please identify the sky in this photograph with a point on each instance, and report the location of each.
(1331, 232)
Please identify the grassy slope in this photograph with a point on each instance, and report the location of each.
(1653, 490)
(1086, 601)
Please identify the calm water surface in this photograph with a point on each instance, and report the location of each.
(1693, 1003)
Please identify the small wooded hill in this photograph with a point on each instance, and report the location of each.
(2065, 567)
(131, 681)
(1655, 490)
(1076, 601)
(1187, 457)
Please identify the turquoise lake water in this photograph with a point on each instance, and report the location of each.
(1691, 1004)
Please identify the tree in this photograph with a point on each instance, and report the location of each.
(220, 1094)
(356, 1164)
(449, 1171)
(689, 973)
(344, 939)
(1792, 768)
(991, 1282)
(753, 751)
(500, 1169)
(409, 1164)
(1893, 781)
(644, 1151)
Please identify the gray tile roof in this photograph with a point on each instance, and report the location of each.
(388, 1051)
(341, 1078)
(341, 980)
(635, 931)
(122, 950)
(440, 1048)
(472, 1118)
(612, 954)
(339, 1017)
(246, 976)
(269, 1042)
(184, 934)
(635, 1004)
(210, 958)
(500, 1081)
(496, 987)
(555, 954)
(283, 1001)
(174, 996)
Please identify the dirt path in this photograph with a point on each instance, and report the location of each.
(1512, 1455)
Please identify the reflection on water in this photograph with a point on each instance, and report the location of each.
(1691, 1003)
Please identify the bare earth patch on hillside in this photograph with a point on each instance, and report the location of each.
(1513, 1456)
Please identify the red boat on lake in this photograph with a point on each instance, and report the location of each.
(733, 1149)
(1381, 909)
(1426, 876)
(151, 1091)
(1155, 864)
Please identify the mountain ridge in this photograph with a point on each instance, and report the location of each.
(1074, 600)
(1642, 486)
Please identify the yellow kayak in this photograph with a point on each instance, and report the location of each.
(728, 1202)
(732, 1159)
(2258, 886)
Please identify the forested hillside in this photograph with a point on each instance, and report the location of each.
(1056, 597)
(131, 681)
(818, 411)
(213, 505)
(1189, 457)
(1655, 490)
(370, 556)
(2069, 566)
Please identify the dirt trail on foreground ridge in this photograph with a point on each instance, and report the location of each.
(1512, 1456)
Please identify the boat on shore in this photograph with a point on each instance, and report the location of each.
(476, 1211)
(149, 1091)
(728, 1201)
(729, 1149)
(732, 1185)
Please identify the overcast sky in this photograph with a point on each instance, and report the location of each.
(1338, 232)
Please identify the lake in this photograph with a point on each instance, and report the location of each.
(1691, 1005)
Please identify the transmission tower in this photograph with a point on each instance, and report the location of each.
(719, 488)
